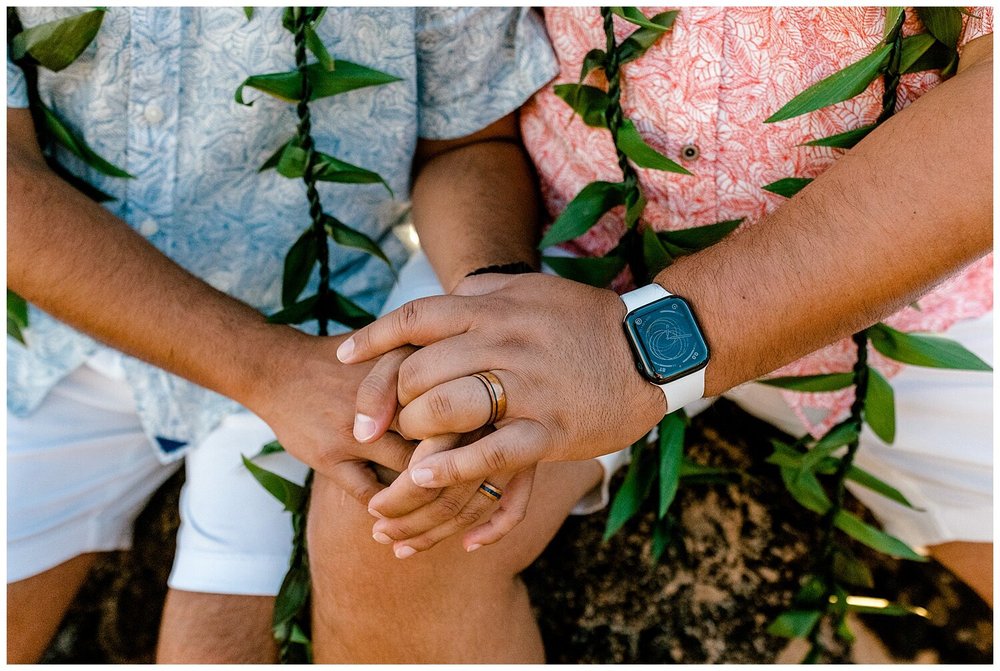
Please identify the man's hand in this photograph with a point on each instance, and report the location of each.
(557, 347)
(309, 403)
(414, 519)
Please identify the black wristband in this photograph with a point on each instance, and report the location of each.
(517, 268)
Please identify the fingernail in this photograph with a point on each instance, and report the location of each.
(364, 427)
(404, 552)
(381, 538)
(422, 476)
(473, 547)
(375, 513)
(345, 350)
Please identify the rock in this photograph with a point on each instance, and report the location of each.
(734, 563)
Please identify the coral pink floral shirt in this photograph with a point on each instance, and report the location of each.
(710, 83)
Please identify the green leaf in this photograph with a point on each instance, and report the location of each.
(841, 434)
(844, 632)
(662, 535)
(595, 271)
(672, 430)
(593, 201)
(810, 594)
(874, 538)
(880, 407)
(299, 263)
(318, 49)
(299, 312)
(58, 43)
(273, 159)
(270, 448)
(844, 140)
(287, 86)
(924, 350)
(589, 102)
(293, 596)
(700, 237)
(636, 44)
(893, 21)
(794, 623)
(292, 162)
(635, 205)
(299, 636)
(341, 309)
(331, 169)
(655, 256)
(866, 479)
(806, 489)
(849, 569)
(346, 236)
(788, 186)
(813, 383)
(312, 16)
(595, 58)
(634, 490)
(914, 47)
(633, 15)
(248, 12)
(290, 494)
(692, 470)
(838, 87)
(630, 142)
(936, 57)
(944, 23)
(17, 316)
(62, 134)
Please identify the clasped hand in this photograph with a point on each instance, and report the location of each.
(572, 391)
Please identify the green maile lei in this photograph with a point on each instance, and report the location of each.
(56, 44)
(813, 471)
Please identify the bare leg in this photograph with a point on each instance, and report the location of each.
(36, 606)
(972, 563)
(442, 606)
(200, 628)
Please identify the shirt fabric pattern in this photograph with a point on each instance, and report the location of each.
(711, 82)
(154, 95)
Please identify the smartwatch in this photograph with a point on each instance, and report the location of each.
(669, 348)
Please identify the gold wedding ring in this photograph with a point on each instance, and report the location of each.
(490, 491)
(498, 397)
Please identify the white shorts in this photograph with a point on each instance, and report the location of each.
(942, 457)
(80, 469)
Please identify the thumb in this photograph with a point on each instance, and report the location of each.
(376, 402)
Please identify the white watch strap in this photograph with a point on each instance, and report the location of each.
(682, 391)
(643, 296)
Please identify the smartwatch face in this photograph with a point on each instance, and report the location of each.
(666, 339)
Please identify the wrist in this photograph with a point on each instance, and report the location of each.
(276, 361)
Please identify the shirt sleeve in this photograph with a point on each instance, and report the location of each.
(977, 25)
(17, 87)
(477, 64)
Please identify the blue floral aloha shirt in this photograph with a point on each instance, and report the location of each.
(154, 95)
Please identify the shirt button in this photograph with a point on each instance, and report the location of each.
(153, 113)
(690, 152)
(148, 228)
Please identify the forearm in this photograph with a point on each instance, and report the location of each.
(908, 206)
(73, 259)
(475, 205)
